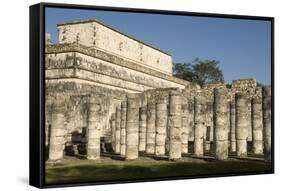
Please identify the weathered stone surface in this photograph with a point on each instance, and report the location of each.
(208, 93)
(123, 128)
(132, 127)
(199, 109)
(93, 33)
(266, 104)
(257, 125)
(57, 140)
(118, 129)
(151, 127)
(248, 87)
(79, 70)
(76, 113)
(90, 63)
(185, 127)
(220, 123)
(241, 124)
(161, 126)
(113, 131)
(175, 124)
(143, 126)
(189, 92)
(209, 127)
(94, 127)
(232, 127)
(244, 85)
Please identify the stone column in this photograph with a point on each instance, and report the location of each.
(241, 124)
(232, 126)
(57, 140)
(175, 123)
(150, 131)
(113, 129)
(199, 106)
(132, 127)
(228, 122)
(266, 104)
(249, 120)
(185, 129)
(208, 130)
(117, 129)
(142, 138)
(161, 126)
(123, 128)
(94, 128)
(191, 118)
(257, 125)
(220, 123)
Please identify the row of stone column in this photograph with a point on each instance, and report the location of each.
(163, 126)
(261, 124)
(147, 126)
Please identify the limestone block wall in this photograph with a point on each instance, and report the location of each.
(101, 69)
(244, 85)
(93, 33)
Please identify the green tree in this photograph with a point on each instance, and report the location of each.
(199, 71)
(229, 86)
(183, 71)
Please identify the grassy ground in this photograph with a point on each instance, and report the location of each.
(78, 171)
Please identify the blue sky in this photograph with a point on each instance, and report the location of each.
(243, 47)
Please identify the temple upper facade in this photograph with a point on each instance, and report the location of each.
(95, 34)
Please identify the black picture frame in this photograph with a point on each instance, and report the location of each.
(37, 90)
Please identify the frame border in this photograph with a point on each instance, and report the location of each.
(37, 91)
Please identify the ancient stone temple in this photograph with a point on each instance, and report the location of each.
(108, 92)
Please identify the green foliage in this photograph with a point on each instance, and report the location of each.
(199, 71)
(184, 71)
(228, 86)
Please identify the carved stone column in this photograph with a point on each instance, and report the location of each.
(232, 126)
(208, 131)
(241, 124)
(266, 104)
(142, 138)
(118, 129)
(257, 125)
(57, 140)
(132, 130)
(185, 128)
(199, 106)
(249, 120)
(94, 127)
(220, 123)
(175, 124)
(151, 129)
(113, 129)
(123, 128)
(161, 126)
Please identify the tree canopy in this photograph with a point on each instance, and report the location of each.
(199, 71)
